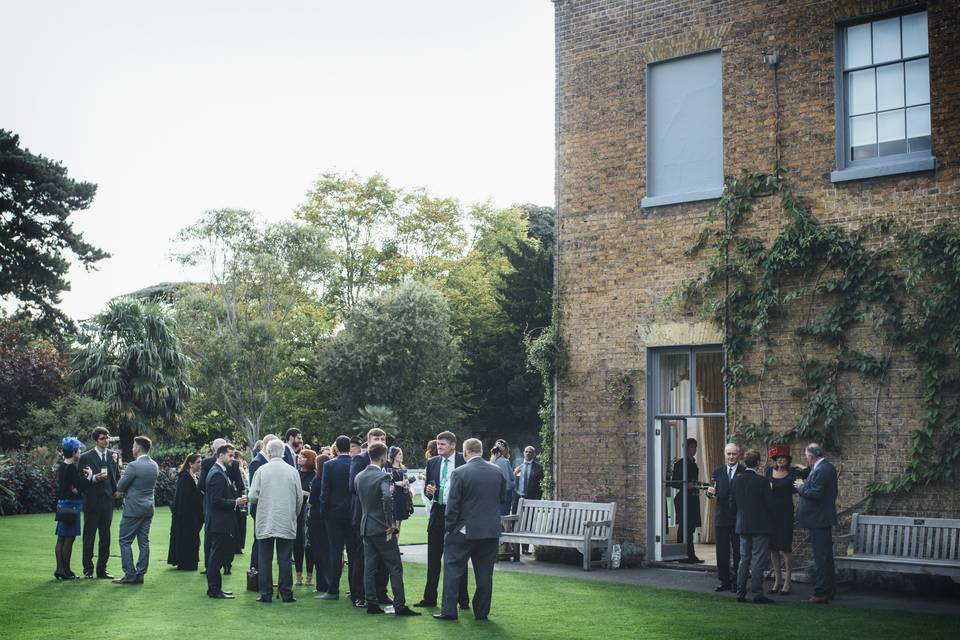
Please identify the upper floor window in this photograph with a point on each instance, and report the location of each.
(884, 106)
(684, 130)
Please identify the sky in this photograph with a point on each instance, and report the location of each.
(173, 108)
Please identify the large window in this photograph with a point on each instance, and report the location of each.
(884, 106)
(684, 130)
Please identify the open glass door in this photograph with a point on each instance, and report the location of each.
(670, 437)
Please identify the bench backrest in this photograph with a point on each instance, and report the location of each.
(920, 538)
(562, 517)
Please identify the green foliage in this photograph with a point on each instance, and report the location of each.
(71, 415)
(37, 237)
(376, 416)
(547, 355)
(900, 283)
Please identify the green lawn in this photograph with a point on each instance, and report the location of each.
(172, 605)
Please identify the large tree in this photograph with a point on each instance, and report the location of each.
(129, 356)
(37, 237)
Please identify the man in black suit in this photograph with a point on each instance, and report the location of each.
(205, 465)
(294, 442)
(472, 525)
(357, 464)
(817, 511)
(335, 505)
(529, 479)
(436, 486)
(753, 499)
(258, 461)
(221, 500)
(725, 516)
(686, 502)
(98, 502)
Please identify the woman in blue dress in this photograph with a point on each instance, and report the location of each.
(781, 477)
(402, 498)
(70, 484)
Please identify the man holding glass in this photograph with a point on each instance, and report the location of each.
(98, 502)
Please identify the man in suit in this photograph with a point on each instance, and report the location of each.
(137, 483)
(294, 442)
(98, 502)
(221, 501)
(817, 511)
(687, 501)
(529, 478)
(357, 464)
(205, 465)
(258, 461)
(472, 525)
(335, 504)
(379, 528)
(277, 490)
(436, 488)
(753, 500)
(725, 516)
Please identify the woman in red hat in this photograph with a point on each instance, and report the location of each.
(781, 477)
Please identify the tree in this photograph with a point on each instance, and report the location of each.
(261, 277)
(396, 349)
(70, 415)
(36, 236)
(130, 357)
(376, 416)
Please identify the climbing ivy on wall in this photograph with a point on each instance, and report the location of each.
(547, 354)
(820, 284)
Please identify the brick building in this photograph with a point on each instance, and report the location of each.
(657, 101)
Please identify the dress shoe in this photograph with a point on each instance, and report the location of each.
(404, 610)
(227, 570)
(722, 587)
(229, 593)
(329, 596)
(815, 600)
(374, 609)
(220, 596)
(465, 607)
(88, 575)
(124, 580)
(105, 576)
(359, 603)
(426, 604)
(287, 600)
(443, 616)
(264, 600)
(384, 601)
(762, 600)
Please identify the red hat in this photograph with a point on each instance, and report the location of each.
(779, 451)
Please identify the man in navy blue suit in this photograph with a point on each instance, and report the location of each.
(357, 464)
(335, 504)
(222, 500)
(817, 511)
(725, 516)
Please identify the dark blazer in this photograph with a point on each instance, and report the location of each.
(476, 490)
(533, 489)
(97, 494)
(433, 475)
(357, 464)
(205, 466)
(288, 457)
(676, 481)
(376, 501)
(258, 461)
(726, 512)
(818, 498)
(221, 503)
(753, 500)
(335, 488)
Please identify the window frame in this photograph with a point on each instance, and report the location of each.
(910, 162)
(648, 201)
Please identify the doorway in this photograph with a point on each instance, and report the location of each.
(686, 402)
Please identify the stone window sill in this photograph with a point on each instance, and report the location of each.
(887, 167)
(676, 198)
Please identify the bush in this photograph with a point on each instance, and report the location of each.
(72, 415)
(166, 486)
(171, 457)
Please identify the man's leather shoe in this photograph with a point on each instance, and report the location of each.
(138, 580)
(359, 603)
(762, 600)
(264, 600)
(124, 580)
(722, 587)
(404, 610)
(290, 599)
(88, 575)
(425, 604)
(815, 600)
(374, 609)
(229, 593)
(741, 599)
(328, 596)
(105, 576)
(220, 596)
(443, 616)
(465, 607)
(227, 570)
(385, 601)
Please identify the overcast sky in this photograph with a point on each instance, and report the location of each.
(175, 107)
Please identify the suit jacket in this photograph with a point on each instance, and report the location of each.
(137, 483)
(753, 500)
(726, 513)
(532, 489)
(334, 488)
(288, 457)
(434, 466)
(205, 465)
(817, 508)
(676, 481)
(476, 490)
(220, 503)
(357, 464)
(376, 500)
(258, 461)
(97, 494)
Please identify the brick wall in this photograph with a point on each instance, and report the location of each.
(618, 262)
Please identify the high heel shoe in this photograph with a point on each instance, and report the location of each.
(70, 575)
(60, 576)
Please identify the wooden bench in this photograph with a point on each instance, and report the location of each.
(928, 546)
(579, 525)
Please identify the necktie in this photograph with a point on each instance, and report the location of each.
(443, 479)
(106, 485)
(526, 477)
(730, 473)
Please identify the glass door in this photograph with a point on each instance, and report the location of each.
(673, 475)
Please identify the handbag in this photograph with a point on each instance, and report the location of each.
(66, 515)
(253, 579)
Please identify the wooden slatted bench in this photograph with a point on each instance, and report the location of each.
(928, 546)
(579, 525)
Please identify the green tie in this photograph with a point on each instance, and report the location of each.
(443, 479)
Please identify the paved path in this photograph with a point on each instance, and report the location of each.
(705, 581)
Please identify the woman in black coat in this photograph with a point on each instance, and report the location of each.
(187, 509)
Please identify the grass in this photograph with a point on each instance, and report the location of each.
(172, 604)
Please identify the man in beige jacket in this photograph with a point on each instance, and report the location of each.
(278, 495)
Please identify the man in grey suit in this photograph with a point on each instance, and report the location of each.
(472, 523)
(817, 511)
(137, 483)
(379, 529)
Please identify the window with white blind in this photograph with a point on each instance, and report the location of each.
(883, 106)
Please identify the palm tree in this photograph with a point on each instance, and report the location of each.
(129, 356)
(376, 415)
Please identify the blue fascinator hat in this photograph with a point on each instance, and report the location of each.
(71, 445)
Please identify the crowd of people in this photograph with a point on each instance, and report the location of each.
(310, 508)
